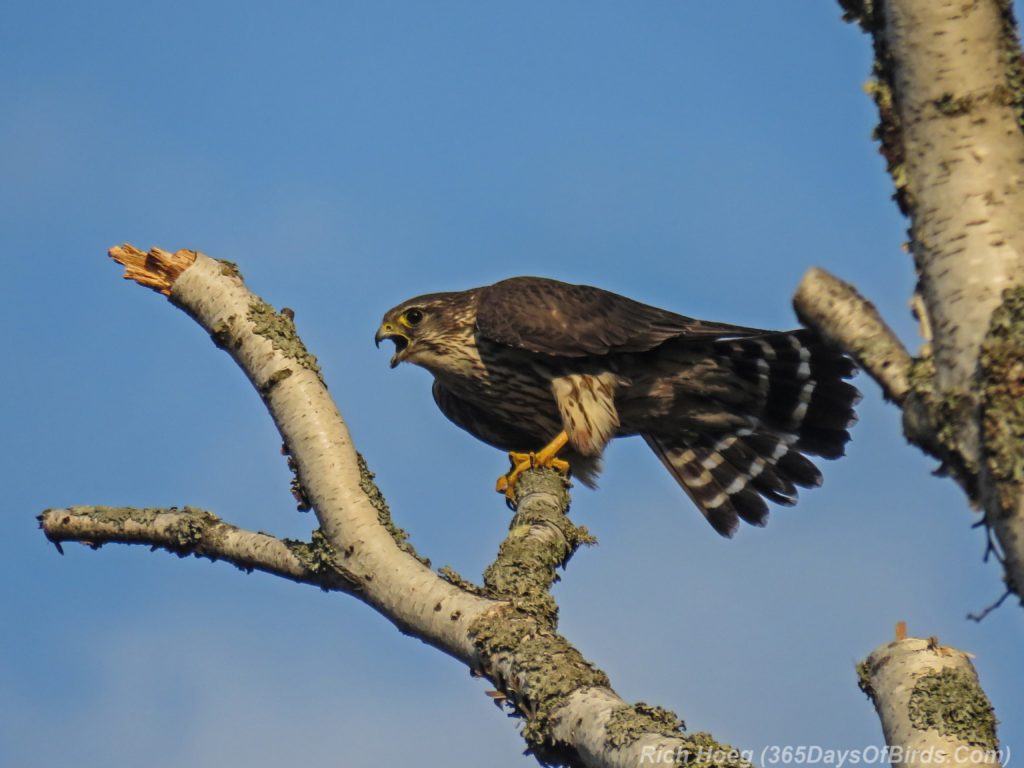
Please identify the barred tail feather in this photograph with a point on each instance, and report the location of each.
(799, 404)
(729, 480)
(801, 385)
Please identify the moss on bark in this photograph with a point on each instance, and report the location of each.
(1002, 386)
(951, 702)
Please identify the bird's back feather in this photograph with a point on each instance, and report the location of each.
(564, 320)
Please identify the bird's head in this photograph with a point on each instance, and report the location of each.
(423, 328)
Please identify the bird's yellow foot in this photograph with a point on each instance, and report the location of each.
(521, 462)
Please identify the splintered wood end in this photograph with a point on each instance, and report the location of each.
(157, 269)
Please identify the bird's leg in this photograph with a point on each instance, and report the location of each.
(521, 462)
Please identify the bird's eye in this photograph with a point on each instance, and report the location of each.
(413, 316)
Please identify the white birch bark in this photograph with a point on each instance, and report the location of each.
(964, 169)
(949, 84)
(932, 708)
(964, 172)
(401, 587)
(505, 631)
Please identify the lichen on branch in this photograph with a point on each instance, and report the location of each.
(505, 630)
(188, 531)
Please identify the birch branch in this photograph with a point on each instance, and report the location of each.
(505, 630)
(949, 86)
(190, 531)
(837, 311)
(931, 705)
(849, 321)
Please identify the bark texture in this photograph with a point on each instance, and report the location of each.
(932, 707)
(963, 164)
(948, 84)
(191, 531)
(505, 630)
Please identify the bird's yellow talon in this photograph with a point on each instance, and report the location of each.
(522, 462)
(561, 466)
(516, 459)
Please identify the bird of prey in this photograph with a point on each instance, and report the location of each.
(552, 372)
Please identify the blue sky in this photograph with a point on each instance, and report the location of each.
(698, 156)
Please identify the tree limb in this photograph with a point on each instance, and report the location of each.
(190, 531)
(931, 704)
(849, 321)
(505, 630)
(837, 311)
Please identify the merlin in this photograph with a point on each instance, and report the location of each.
(551, 372)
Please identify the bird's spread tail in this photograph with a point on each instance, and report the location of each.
(800, 404)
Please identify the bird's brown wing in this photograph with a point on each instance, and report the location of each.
(554, 318)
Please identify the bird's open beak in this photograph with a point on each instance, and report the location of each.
(391, 331)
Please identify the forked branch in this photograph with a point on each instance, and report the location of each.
(505, 630)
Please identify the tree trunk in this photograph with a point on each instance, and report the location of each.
(948, 81)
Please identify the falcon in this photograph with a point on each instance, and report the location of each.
(551, 372)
